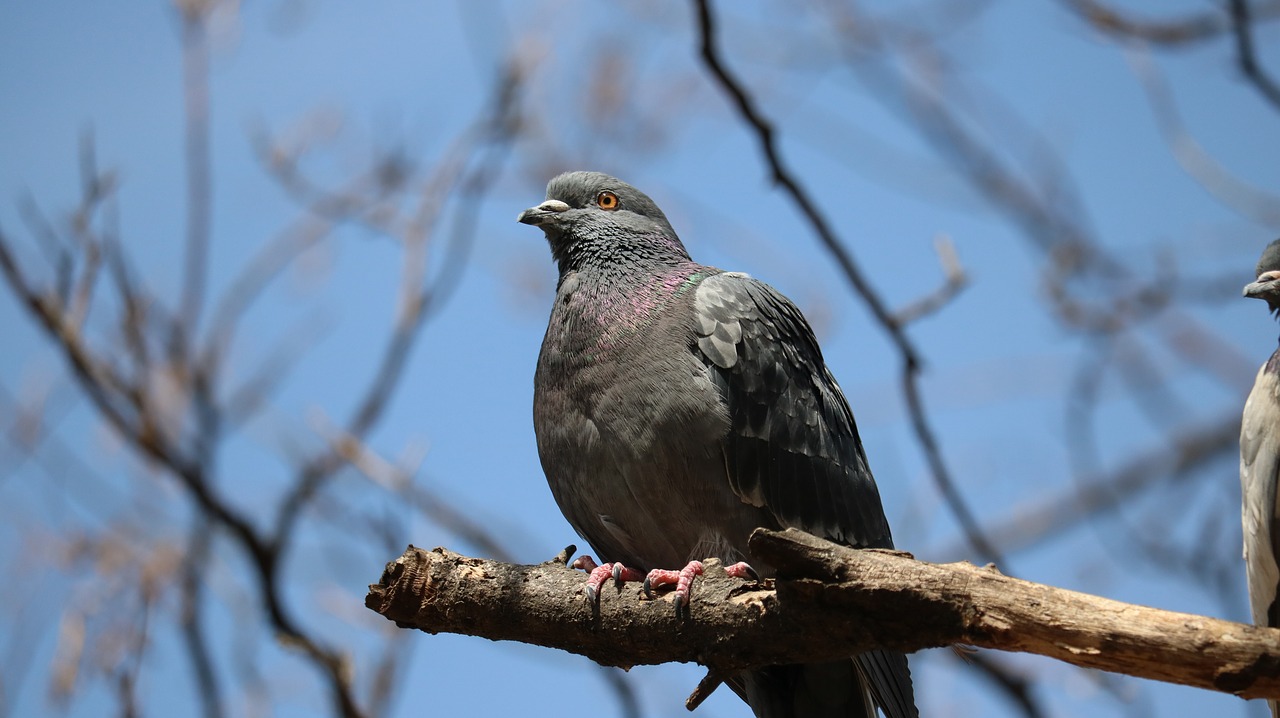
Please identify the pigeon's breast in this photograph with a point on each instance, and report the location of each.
(1259, 472)
(629, 426)
(626, 361)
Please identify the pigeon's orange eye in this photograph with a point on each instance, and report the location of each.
(607, 200)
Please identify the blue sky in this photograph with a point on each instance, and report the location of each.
(411, 76)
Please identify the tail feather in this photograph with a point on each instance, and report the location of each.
(838, 689)
(889, 677)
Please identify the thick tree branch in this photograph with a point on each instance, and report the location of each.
(829, 601)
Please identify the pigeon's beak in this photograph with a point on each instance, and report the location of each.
(1267, 287)
(540, 215)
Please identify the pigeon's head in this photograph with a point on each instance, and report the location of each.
(1267, 285)
(592, 217)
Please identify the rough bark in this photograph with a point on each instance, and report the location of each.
(827, 601)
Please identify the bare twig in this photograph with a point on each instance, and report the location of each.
(1257, 203)
(1019, 688)
(704, 689)
(1052, 216)
(120, 400)
(783, 176)
(266, 265)
(1097, 495)
(1237, 19)
(418, 298)
(955, 281)
(1178, 32)
(195, 81)
(192, 617)
(398, 481)
(1246, 56)
(182, 442)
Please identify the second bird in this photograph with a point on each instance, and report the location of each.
(1260, 463)
(678, 407)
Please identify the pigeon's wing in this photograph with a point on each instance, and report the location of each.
(793, 448)
(1259, 472)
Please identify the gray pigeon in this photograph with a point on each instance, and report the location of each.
(1260, 463)
(678, 407)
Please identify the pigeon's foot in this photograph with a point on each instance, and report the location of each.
(683, 579)
(598, 574)
(743, 570)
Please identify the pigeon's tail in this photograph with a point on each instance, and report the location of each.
(839, 689)
(815, 690)
(889, 677)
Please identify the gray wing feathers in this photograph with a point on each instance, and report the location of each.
(719, 339)
(793, 447)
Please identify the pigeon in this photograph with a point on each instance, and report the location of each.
(678, 407)
(1260, 463)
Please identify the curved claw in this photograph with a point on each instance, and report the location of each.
(600, 574)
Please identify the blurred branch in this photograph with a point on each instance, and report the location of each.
(955, 282)
(1019, 688)
(418, 296)
(901, 604)
(264, 267)
(1160, 478)
(138, 425)
(191, 619)
(397, 479)
(161, 395)
(1256, 203)
(1186, 30)
(1237, 20)
(1246, 56)
(783, 176)
(195, 84)
(1097, 495)
(1093, 292)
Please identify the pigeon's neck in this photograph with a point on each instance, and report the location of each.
(600, 310)
(605, 253)
(639, 290)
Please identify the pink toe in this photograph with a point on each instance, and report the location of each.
(599, 575)
(661, 577)
(623, 573)
(685, 580)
